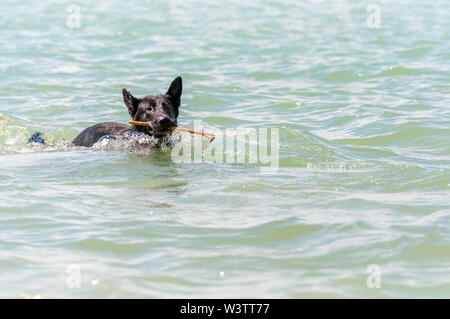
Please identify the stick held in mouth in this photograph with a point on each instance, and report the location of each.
(210, 135)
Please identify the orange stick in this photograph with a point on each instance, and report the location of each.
(212, 136)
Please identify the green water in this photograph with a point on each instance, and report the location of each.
(364, 178)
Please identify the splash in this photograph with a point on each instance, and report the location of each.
(14, 138)
(136, 142)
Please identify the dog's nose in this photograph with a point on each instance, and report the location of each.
(165, 122)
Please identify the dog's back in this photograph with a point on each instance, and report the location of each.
(92, 134)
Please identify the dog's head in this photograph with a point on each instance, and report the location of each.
(160, 111)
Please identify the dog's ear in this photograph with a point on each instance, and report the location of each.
(130, 101)
(174, 91)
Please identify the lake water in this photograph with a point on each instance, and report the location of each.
(361, 198)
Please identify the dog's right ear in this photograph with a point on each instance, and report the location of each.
(174, 91)
(130, 101)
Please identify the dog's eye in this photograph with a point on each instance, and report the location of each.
(149, 108)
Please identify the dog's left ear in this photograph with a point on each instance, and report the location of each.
(175, 91)
(130, 101)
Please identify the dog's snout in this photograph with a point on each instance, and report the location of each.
(165, 122)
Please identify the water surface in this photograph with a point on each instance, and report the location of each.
(364, 178)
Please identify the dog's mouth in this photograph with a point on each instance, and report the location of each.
(161, 132)
(157, 132)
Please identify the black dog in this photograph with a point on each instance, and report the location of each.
(160, 111)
